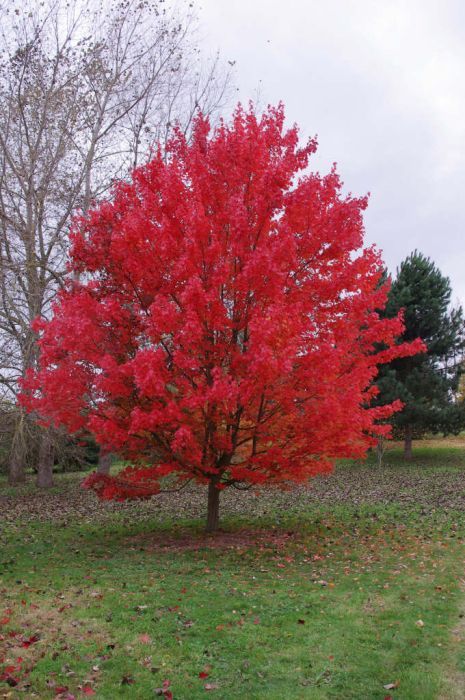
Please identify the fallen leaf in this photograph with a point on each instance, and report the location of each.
(31, 640)
(11, 681)
(127, 680)
(391, 686)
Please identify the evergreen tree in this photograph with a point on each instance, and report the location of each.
(426, 383)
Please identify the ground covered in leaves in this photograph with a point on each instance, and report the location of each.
(435, 479)
(350, 589)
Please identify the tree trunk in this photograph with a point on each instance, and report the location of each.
(213, 513)
(45, 464)
(18, 452)
(408, 443)
(104, 462)
(380, 451)
(17, 461)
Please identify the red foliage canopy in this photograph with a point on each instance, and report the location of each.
(224, 326)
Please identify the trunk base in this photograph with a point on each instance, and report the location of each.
(45, 465)
(408, 446)
(213, 512)
(380, 451)
(18, 456)
(104, 463)
(16, 477)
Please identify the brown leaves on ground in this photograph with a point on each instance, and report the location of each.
(355, 484)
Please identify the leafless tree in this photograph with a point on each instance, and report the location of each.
(86, 89)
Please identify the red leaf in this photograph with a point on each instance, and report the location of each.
(202, 674)
(11, 681)
(87, 690)
(31, 640)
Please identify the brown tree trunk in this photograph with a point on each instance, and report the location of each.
(45, 463)
(408, 443)
(18, 452)
(17, 461)
(104, 462)
(213, 513)
(380, 451)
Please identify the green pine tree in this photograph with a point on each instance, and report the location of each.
(427, 383)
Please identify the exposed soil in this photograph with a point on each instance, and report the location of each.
(238, 540)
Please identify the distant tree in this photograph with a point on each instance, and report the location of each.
(226, 328)
(86, 88)
(426, 383)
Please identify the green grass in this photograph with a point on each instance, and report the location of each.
(434, 457)
(329, 612)
(329, 599)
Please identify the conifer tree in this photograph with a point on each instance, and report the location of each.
(426, 383)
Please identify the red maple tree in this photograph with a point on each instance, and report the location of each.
(222, 322)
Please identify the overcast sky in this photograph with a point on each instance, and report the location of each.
(382, 84)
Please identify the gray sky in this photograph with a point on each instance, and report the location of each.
(382, 84)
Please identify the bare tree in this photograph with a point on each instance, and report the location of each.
(86, 89)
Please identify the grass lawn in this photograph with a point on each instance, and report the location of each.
(352, 589)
